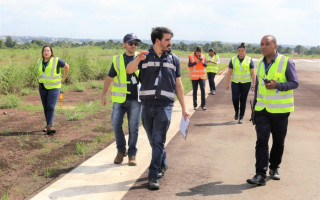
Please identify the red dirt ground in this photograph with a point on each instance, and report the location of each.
(27, 152)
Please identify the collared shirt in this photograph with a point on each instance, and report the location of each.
(291, 76)
(132, 88)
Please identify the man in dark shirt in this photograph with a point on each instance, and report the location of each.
(125, 100)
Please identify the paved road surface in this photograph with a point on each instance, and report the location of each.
(218, 155)
(216, 158)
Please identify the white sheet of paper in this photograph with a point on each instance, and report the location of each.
(138, 88)
(184, 125)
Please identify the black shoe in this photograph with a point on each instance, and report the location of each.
(258, 179)
(203, 108)
(236, 116)
(153, 184)
(240, 120)
(274, 174)
(162, 171)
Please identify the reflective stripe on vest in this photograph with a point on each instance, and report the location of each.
(157, 64)
(119, 88)
(198, 71)
(153, 92)
(272, 100)
(50, 78)
(211, 67)
(238, 75)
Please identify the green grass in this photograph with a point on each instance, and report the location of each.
(78, 87)
(5, 196)
(81, 148)
(10, 101)
(95, 84)
(51, 172)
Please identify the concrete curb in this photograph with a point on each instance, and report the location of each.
(99, 178)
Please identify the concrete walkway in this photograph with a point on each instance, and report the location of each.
(99, 178)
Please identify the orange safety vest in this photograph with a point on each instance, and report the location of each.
(198, 71)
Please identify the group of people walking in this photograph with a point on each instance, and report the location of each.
(145, 84)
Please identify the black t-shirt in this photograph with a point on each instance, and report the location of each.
(61, 64)
(132, 88)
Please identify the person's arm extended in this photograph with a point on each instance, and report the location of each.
(66, 72)
(106, 85)
(180, 96)
(253, 77)
(133, 65)
(228, 78)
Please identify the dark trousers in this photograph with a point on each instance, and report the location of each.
(239, 94)
(267, 123)
(202, 83)
(212, 84)
(49, 99)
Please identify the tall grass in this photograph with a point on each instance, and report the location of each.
(18, 68)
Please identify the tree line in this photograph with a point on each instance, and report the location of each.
(218, 46)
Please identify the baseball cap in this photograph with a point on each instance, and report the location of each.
(130, 37)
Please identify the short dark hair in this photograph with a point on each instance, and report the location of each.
(49, 48)
(273, 39)
(242, 45)
(198, 49)
(157, 33)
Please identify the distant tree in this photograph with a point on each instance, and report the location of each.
(38, 42)
(299, 49)
(1, 44)
(10, 43)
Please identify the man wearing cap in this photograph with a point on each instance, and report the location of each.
(124, 95)
(212, 69)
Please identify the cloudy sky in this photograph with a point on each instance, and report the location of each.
(292, 22)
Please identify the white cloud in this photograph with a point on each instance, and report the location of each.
(292, 22)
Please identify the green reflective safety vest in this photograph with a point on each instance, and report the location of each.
(273, 100)
(241, 71)
(50, 78)
(119, 88)
(211, 67)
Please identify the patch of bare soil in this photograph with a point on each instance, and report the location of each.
(30, 159)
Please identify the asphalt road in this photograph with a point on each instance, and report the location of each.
(219, 154)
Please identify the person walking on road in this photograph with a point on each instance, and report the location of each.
(197, 67)
(160, 77)
(276, 79)
(124, 95)
(241, 68)
(212, 69)
(50, 80)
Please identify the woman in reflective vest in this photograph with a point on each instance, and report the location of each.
(212, 69)
(197, 67)
(50, 79)
(241, 68)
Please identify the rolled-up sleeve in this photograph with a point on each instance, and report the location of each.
(291, 76)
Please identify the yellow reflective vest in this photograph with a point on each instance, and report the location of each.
(272, 100)
(211, 67)
(241, 71)
(119, 88)
(50, 78)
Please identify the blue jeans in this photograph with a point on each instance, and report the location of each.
(156, 121)
(212, 84)
(49, 99)
(133, 109)
(202, 83)
(239, 95)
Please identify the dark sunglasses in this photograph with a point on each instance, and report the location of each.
(133, 43)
